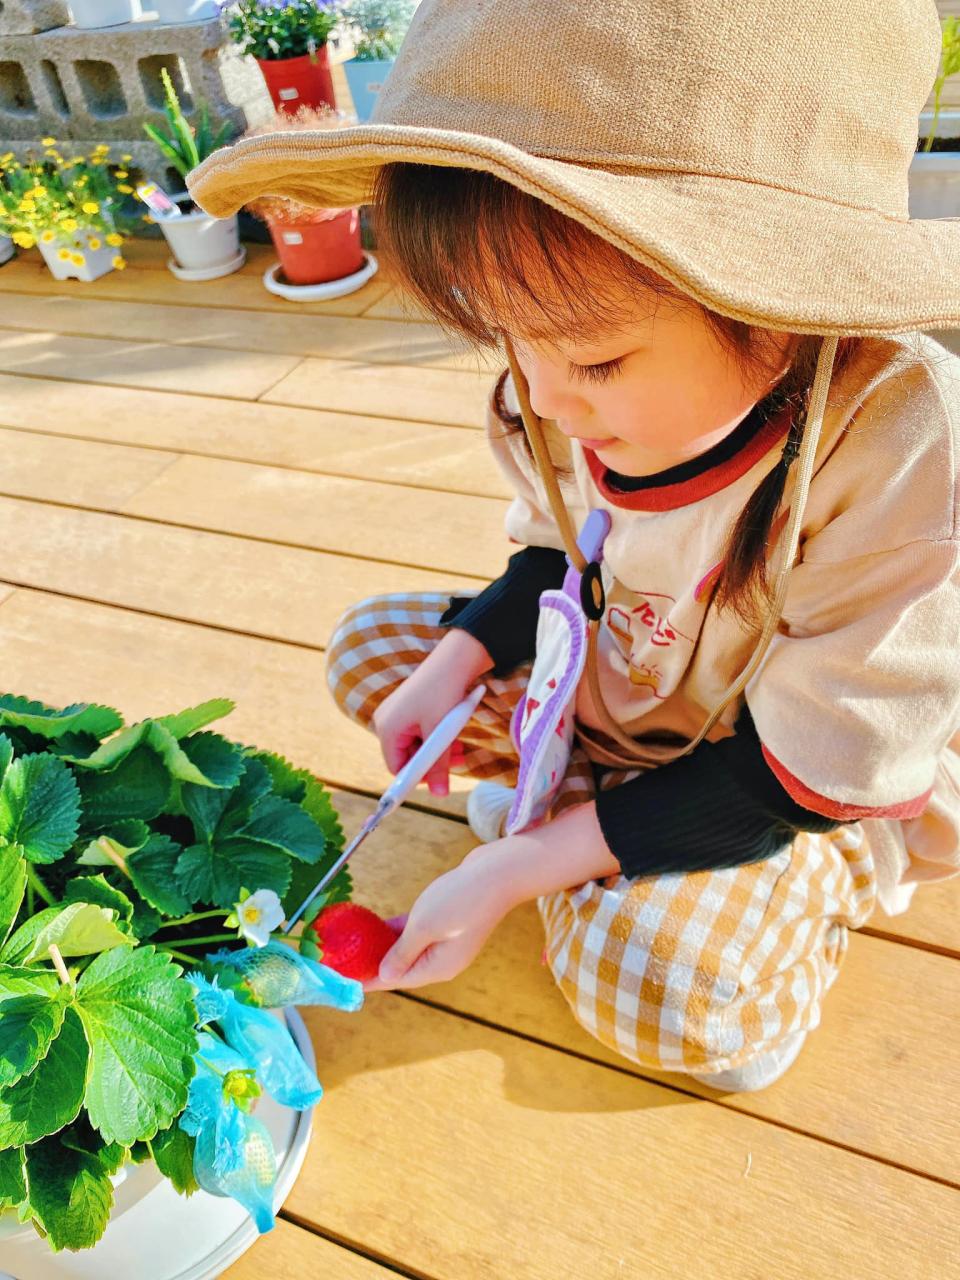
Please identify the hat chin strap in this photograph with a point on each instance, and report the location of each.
(636, 753)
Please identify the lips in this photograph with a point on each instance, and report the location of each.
(596, 443)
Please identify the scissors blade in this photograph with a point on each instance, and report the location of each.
(371, 823)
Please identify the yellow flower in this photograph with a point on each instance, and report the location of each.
(36, 192)
(47, 237)
(148, 217)
(6, 157)
(69, 224)
(126, 159)
(122, 173)
(93, 243)
(119, 263)
(82, 180)
(113, 239)
(127, 190)
(77, 259)
(24, 239)
(90, 206)
(54, 155)
(95, 160)
(48, 142)
(64, 255)
(27, 206)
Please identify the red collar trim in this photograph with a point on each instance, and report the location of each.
(669, 496)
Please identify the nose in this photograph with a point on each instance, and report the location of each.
(551, 395)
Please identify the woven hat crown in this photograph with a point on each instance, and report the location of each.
(820, 98)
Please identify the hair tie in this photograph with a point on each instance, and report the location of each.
(791, 450)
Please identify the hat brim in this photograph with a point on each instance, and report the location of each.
(760, 254)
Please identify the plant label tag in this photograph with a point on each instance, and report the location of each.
(292, 237)
(288, 95)
(157, 201)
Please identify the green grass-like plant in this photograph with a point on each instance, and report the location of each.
(184, 146)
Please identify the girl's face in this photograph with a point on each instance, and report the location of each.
(651, 394)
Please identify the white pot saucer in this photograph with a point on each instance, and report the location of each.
(208, 273)
(319, 292)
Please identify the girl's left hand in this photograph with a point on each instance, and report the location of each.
(446, 928)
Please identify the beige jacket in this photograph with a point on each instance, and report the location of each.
(857, 700)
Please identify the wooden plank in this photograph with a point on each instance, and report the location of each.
(308, 439)
(358, 341)
(76, 471)
(931, 919)
(290, 1252)
(282, 593)
(149, 280)
(521, 1161)
(453, 533)
(209, 371)
(394, 305)
(424, 395)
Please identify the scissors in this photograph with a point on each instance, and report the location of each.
(426, 755)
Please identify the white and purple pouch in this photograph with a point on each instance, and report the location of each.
(542, 723)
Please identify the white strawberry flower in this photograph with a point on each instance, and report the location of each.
(258, 915)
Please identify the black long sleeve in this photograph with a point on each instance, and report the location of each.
(503, 617)
(720, 806)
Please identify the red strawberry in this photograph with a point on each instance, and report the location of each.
(354, 939)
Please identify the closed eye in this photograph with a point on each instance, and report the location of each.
(597, 373)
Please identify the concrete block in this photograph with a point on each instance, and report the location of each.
(26, 17)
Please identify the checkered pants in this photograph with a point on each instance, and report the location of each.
(697, 972)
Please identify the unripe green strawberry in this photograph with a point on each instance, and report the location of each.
(354, 939)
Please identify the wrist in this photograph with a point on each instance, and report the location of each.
(458, 655)
(561, 854)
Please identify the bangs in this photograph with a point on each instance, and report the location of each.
(485, 258)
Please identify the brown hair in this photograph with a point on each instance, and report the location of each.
(467, 246)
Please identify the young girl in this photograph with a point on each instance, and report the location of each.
(686, 227)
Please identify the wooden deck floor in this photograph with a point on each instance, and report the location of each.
(196, 480)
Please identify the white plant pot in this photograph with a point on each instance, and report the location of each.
(96, 262)
(155, 1234)
(6, 249)
(201, 243)
(935, 175)
(101, 13)
(179, 11)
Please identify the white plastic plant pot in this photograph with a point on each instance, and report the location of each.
(6, 249)
(203, 247)
(935, 175)
(156, 1234)
(101, 13)
(73, 258)
(275, 283)
(180, 11)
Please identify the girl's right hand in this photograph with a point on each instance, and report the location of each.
(417, 705)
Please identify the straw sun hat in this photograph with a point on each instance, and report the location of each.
(755, 154)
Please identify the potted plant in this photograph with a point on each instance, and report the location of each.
(381, 26)
(91, 14)
(289, 38)
(71, 209)
(204, 248)
(134, 1060)
(935, 168)
(6, 249)
(320, 252)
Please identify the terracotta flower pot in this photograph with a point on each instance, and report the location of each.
(299, 82)
(314, 252)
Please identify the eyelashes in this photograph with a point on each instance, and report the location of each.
(597, 373)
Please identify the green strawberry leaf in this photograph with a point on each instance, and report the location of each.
(16, 982)
(283, 825)
(217, 873)
(39, 807)
(6, 754)
(123, 838)
(46, 721)
(206, 760)
(28, 1027)
(19, 944)
(139, 1016)
(13, 885)
(13, 1188)
(305, 877)
(113, 752)
(184, 723)
(99, 891)
(52, 1094)
(173, 1153)
(222, 812)
(80, 929)
(153, 873)
(137, 788)
(70, 1192)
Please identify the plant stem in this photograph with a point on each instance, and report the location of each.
(177, 955)
(197, 915)
(104, 845)
(61, 968)
(213, 937)
(34, 881)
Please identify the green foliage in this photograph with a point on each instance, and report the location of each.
(288, 29)
(381, 26)
(949, 66)
(109, 836)
(185, 146)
